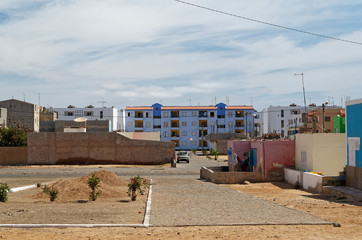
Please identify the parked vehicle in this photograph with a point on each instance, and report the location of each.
(183, 156)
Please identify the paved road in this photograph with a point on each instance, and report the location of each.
(179, 197)
(20, 176)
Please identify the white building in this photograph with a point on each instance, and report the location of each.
(90, 113)
(284, 120)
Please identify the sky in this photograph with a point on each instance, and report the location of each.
(139, 52)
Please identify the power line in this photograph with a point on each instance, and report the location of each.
(270, 24)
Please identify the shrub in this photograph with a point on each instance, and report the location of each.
(137, 184)
(4, 190)
(13, 136)
(93, 183)
(193, 151)
(52, 192)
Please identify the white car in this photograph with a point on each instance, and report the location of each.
(183, 156)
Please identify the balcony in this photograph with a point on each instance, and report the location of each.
(239, 114)
(175, 124)
(220, 116)
(202, 114)
(175, 114)
(138, 115)
(138, 124)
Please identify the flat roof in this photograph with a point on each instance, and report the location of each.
(192, 108)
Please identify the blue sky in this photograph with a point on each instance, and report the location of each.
(140, 52)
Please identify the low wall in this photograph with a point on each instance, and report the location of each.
(222, 176)
(312, 182)
(10, 156)
(96, 148)
(353, 176)
(292, 176)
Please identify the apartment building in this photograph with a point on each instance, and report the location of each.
(315, 119)
(22, 112)
(187, 126)
(284, 120)
(91, 113)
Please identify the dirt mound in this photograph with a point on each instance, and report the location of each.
(108, 178)
(111, 186)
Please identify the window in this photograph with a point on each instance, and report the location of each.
(184, 133)
(165, 134)
(88, 114)
(101, 114)
(282, 134)
(165, 124)
(327, 119)
(148, 124)
(129, 124)
(184, 124)
(165, 114)
(194, 133)
(282, 123)
(212, 114)
(184, 143)
(156, 126)
(183, 114)
(193, 143)
(68, 113)
(281, 113)
(147, 114)
(303, 158)
(194, 123)
(194, 114)
(128, 114)
(230, 114)
(221, 126)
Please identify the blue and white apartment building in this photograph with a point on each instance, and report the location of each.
(187, 126)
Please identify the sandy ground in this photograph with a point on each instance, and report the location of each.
(347, 214)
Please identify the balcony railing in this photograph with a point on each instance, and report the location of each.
(175, 115)
(139, 126)
(175, 135)
(156, 126)
(220, 116)
(203, 125)
(157, 117)
(175, 125)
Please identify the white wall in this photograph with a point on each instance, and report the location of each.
(292, 176)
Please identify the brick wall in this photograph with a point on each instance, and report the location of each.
(10, 156)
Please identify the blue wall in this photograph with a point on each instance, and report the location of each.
(354, 130)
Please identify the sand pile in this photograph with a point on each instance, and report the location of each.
(111, 186)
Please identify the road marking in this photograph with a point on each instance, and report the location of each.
(146, 221)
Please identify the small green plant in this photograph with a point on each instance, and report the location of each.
(193, 151)
(4, 190)
(214, 153)
(137, 184)
(93, 183)
(52, 192)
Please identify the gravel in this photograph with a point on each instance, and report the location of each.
(190, 202)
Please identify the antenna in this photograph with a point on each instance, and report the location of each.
(103, 102)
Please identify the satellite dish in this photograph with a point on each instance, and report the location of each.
(80, 119)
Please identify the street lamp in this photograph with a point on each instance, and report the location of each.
(305, 103)
(324, 119)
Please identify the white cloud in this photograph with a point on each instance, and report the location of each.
(137, 52)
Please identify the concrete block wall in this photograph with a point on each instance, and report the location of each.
(292, 176)
(97, 148)
(312, 182)
(354, 177)
(10, 156)
(217, 176)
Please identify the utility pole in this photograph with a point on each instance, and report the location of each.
(305, 103)
(324, 119)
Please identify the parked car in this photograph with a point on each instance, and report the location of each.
(183, 156)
